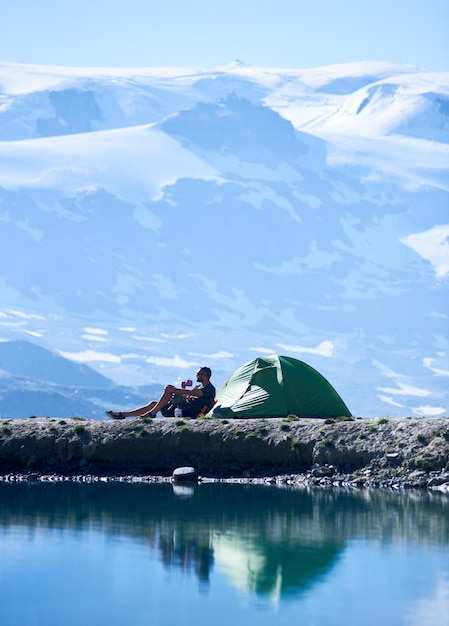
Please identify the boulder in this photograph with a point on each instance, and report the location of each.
(185, 474)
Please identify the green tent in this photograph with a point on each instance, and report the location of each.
(277, 386)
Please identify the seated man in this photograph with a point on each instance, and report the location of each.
(192, 402)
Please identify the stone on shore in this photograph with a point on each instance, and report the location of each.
(185, 474)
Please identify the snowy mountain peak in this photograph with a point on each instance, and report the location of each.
(165, 218)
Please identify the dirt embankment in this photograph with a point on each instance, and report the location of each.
(324, 449)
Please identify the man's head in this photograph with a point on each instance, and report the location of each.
(203, 375)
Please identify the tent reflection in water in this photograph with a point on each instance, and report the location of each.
(277, 386)
(274, 568)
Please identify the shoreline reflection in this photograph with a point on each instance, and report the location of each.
(267, 541)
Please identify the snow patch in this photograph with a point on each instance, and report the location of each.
(89, 356)
(402, 389)
(428, 362)
(325, 348)
(35, 233)
(151, 339)
(93, 338)
(26, 316)
(316, 259)
(389, 400)
(32, 333)
(222, 354)
(257, 195)
(433, 246)
(175, 362)
(262, 350)
(147, 219)
(89, 161)
(429, 411)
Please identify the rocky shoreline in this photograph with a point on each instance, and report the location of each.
(378, 453)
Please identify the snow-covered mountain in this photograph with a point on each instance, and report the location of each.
(154, 220)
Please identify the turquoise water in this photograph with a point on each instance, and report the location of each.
(118, 554)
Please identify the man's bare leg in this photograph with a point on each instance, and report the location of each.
(142, 410)
(161, 403)
(152, 408)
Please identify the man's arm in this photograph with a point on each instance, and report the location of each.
(185, 392)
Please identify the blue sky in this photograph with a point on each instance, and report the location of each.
(213, 33)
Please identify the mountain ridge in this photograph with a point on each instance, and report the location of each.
(35, 381)
(227, 213)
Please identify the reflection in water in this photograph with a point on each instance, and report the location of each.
(272, 567)
(268, 541)
(433, 610)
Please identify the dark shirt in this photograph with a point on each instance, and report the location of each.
(194, 405)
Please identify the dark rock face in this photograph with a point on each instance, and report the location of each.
(412, 452)
(75, 111)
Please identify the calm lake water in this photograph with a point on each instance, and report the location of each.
(106, 554)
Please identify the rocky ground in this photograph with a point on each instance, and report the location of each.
(400, 452)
